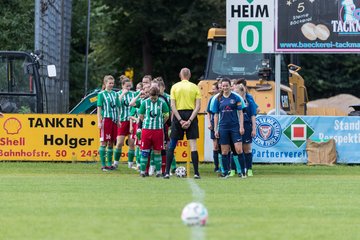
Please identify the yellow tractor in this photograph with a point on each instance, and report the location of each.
(258, 70)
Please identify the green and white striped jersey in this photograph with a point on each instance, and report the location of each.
(134, 111)
(153, 113)
(109, 103)
(168, 101)
(167, 96)
(125, 105)
(138, 102)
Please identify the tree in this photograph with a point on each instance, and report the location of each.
(327, 75)
(160, 37)
(155, 37)
(17, 25)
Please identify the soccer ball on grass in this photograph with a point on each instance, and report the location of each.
(180, 172)
(194, 214)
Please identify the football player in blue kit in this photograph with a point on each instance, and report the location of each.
(229, 126)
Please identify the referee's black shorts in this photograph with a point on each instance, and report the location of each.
(177, 132)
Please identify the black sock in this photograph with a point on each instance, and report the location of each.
(169, 159)
(242, 162)
(226, 163)
(195, 161)
(231, 161)
(248, 159)
(216, 158)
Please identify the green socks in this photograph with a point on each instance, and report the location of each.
(143, 163)
(117, 154)
(109, 155)
(237, 164)
(157, 160)
(131, 155)
(137, 155)
(152, 158)
(102, 155)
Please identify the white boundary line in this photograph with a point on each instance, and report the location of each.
(197, 232)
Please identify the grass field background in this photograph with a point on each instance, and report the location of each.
(78, 201)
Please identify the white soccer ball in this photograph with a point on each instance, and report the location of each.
(180, 172)
(194, 214)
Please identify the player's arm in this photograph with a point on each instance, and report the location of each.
(215, 110)
(175, 111)
(241, 121)
(134, 100)
(253, 122)
(216, 125)
(165, 110)
(196, 110)
(123, 92)
(240, 116)
(99, 110)
(142, 110)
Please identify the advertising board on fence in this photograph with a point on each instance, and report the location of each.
(318, 26)
(61, 137)
(45, 137)
(282, 139)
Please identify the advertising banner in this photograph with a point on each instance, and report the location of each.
(250, 26)
(62, 137)
(318, 26)
(45, 137)
(282, 139)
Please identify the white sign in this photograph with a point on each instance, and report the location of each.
(250, 26)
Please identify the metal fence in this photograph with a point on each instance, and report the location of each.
(52, 38)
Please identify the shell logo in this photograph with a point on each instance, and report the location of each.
(12, 126)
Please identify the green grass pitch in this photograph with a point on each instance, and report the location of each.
(78, 201)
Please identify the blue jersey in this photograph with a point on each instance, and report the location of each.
(209, 111)
(250, 109)
(228, 108)
(212, 100)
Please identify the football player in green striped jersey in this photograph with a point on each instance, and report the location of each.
(125, 96)
(108, 120)
(167, 126)
(136, 102)
(135, 130)
(153, 112)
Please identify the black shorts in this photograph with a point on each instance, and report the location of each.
(247, 138)
(177, 132)
(212, 134)
(229, 136)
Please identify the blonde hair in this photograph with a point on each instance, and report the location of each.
(147, 77)
(140, 84)
(105, 80)
(124, 79)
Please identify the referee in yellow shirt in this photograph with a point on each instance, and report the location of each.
(185, 104)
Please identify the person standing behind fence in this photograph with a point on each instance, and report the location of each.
(108, 114)
(185, 105)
